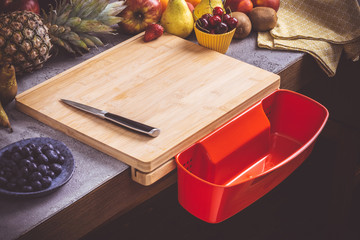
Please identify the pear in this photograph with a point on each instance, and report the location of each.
(8, 84)
(4, 120)
(206, 6)
(177, 18)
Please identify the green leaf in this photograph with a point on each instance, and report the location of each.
(70, 36)
(94, 39)
(113, 9)
(79, 44)
(110, 20)
(92, 26)
(73, 22)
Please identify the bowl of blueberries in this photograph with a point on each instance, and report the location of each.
(215, 31)
(34, 167)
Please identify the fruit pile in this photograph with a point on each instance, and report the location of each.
(217, 23)
(30, 168)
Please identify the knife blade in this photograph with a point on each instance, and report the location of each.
(125, 122)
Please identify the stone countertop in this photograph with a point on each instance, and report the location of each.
(92, 167)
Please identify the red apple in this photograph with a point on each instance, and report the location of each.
(274, 4)
(19, 5)
(139, 14)
(244, 6)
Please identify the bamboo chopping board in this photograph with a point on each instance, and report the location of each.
(181, 88)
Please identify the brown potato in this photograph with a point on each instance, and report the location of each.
(243, 27)
(263, 18)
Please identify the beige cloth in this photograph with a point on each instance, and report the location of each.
(322, 28)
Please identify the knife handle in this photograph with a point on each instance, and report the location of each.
(131, 124)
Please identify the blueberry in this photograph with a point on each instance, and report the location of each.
(42, 158)
(43, 169)
(50, 174)
(36, 151)
(32, 167)
(25, 151)
(46, 181)
(61, 160)
(51, 155)
(23, 172)
(24, 162)
(48, 146)
(35, 176)
(31, 146)
(16, 156)
(21, 182)
(27, 188)
(56, 168)
(3, 182)
(36, 185)
(31, 158)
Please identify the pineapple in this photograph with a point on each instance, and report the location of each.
(26, 39)
(72, 25)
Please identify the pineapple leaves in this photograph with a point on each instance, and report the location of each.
(72, 24)
(92, 26)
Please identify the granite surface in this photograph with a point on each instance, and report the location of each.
(92, 167)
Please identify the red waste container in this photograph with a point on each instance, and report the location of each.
(241, 161)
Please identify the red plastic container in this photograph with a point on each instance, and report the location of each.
(241, 161)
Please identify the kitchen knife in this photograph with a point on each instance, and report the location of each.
(131, 124)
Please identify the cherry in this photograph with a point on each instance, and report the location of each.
(218, 11)
(221, 28)
(203, 23)
(226, 18)
(206, 16)
(232, 22)
(214, 21)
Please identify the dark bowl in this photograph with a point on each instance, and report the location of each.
(57, 182)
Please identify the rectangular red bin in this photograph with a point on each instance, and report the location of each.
(241, 161)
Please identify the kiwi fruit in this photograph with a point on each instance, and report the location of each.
(263, 18)
(243, 27)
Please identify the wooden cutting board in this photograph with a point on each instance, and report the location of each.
(182, 88)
